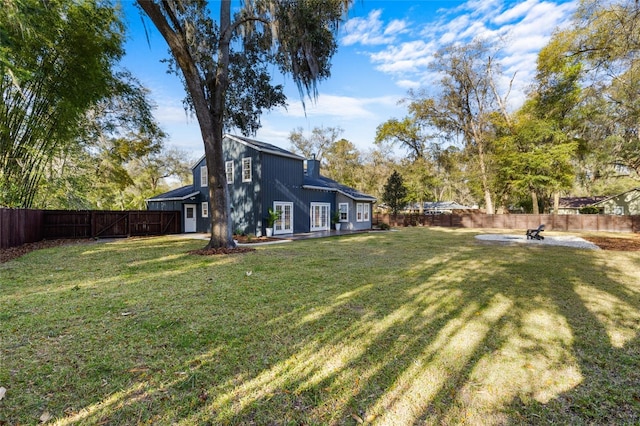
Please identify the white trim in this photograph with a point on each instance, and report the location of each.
(190, 223)
(261, 149)
(228, 172)
(363, 212)
(319, 217)
(346, 211)
(204, 209)
(244, 178)
(346, 194)
(284, 225)
(193, 194)
(204, 176)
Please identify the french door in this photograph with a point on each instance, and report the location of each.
(284, 225)
(320, 216)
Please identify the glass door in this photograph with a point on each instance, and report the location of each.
(284, 225)
(320, 216)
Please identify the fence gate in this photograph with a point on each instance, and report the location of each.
(109, 224)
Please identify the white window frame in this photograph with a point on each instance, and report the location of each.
(228, 170)
(323, 221)
(284, 225)
(363, 212)
(204, 209)
(204, 178)
(246, 177)
(344, 212)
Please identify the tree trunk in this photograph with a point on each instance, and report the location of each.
(221, 235)
(556, 202)
(484, 178)
(209, 112)
(534, 200)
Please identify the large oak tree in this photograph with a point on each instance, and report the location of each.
(225, 67)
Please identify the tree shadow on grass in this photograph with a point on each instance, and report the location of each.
(439, 363)
(604, 317)
(409, 328)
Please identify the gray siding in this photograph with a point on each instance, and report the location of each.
(274, 178)
(164, 205)
(244, 196)
(353, 223)
(282, 181)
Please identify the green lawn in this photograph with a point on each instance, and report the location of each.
(418, 326)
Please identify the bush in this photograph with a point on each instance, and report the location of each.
(589, 210)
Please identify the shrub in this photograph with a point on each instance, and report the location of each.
(589, 210)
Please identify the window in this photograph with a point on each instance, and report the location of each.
(203, 176)
(228, 168)
(320, 216)
(363, 212)
(205, 209)
(246, 169)
(343, 208)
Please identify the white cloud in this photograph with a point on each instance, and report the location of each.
(365, 31)
(396, 26)
(524, 28)
(371, 31)
(342, 107)
(172, 113)
(406, 57)
(408, 84)
(518, 11)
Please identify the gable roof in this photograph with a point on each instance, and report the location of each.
(618, 195)
(264, 147)
(446, 205)
(325, 184)
(176, 194)
(258, 146)
(579, 202)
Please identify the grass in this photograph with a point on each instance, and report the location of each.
(419, 326)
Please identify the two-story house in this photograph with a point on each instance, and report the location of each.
(260, 177)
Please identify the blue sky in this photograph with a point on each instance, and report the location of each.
(385, 48)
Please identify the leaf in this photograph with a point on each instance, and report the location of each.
(3, 391)
(357, 418)
(45, 417)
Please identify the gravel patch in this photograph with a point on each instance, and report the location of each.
(565, 240)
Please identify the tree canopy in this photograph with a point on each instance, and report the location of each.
(225, 67)
(57, 61)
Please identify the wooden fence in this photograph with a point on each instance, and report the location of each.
(19, 226)
(583, 222)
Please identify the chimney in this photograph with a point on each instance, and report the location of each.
(313, 167)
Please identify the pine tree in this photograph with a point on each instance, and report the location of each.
(395, 192)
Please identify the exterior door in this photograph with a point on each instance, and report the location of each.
(190, 219)
(320, 216)
(284, 225)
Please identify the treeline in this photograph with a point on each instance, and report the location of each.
(76, 130)
(576, 134)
